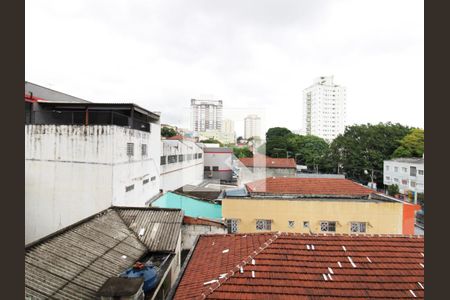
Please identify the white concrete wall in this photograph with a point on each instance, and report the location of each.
(391, 176)
(176, 175)
(73, 172)
(222, 160)
(190, 232)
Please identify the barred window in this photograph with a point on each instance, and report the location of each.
(291, 224)
(144, 149)
(263, 224)
(130, 149)
(328, 226)
(172, 159)
(358, 227)
(163, 160)
(232, 225)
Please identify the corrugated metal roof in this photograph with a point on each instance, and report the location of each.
(162, 226)
(75, 263)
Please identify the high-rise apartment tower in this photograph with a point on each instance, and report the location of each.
(252, 127)
(206, 115)
(324, 108)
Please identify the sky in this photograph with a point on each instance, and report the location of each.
(255, 55)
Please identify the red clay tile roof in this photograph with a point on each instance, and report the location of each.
(308, 186)
(301, 266)
(202, 221)
(262, 161)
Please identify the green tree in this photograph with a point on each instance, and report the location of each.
(168, 132)
(412, 145)
(364, 148)
(393, 190)
(242, 152)
(276, 141)
(309, 150)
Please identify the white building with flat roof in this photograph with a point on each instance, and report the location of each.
(206, 115)
(252, 126)
(407, 173)
(324, 108)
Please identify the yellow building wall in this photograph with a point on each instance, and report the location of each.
(382, 217)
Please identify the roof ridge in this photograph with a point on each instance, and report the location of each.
(236, 269)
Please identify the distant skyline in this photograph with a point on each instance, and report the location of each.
(256, 56)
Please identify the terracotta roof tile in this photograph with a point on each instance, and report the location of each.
(279, 266)
(308, 186)
(262, 161)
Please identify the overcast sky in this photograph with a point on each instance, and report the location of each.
(257, 56)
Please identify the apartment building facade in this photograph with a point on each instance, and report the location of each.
(252, 126)
(324, 108)
(206, 115)
(407, 173)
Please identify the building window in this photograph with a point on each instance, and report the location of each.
(357, 227)
(387, 168)
(130, 149)
(263, 224)
(327, 226)
(180, 157)
(195, 156)
(413, 184)
(145, 181)
(153, 178)
(232, 225)
(215, 168)
(404, 182)
(388, 177)
(163, 160)
(172, 159)
(412, 171)
(291, 224)
(199, 155)
(207, 168)
(420, 172)
(144, 149)
(129, 188)
(306, 224)
(395, 179)
(405, 170)
(395, 169)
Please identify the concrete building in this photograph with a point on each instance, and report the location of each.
(324, 108)
(218, 163)
(81, 158)
(80, 261)
(315, 205)
(407, 173)
(181, 163)
(206, 115)
(252, 126)
(194, 227)
(261, 166)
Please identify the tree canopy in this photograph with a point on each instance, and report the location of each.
(242, 152)
(412, 145)
(168, 132)
(363, 148)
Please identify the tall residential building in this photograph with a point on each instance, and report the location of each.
(324, 108)
(252, 125)
(206, 115)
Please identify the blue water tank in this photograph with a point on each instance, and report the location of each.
(147, 272)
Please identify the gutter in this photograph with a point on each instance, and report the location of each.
(173, 290)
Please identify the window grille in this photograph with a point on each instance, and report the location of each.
(263, 224)
(358, 227)
(130, 149)
(327, 226)
(291, 224)
(232, 226)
